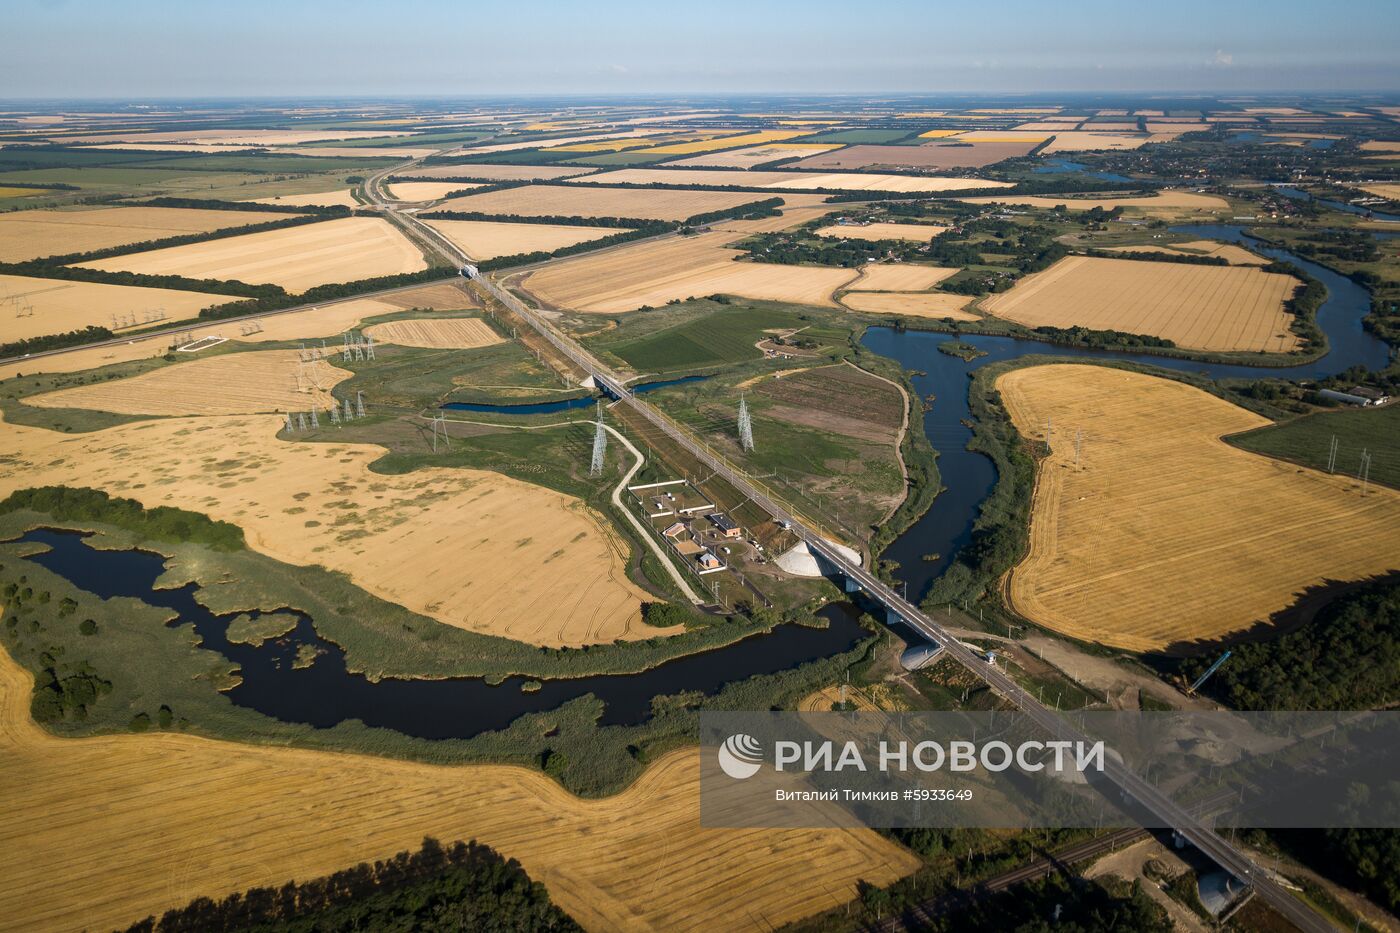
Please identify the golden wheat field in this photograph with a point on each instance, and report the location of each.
(499, 172)
(231, 384)
(795, 181)
(340, 198)
(1390, 192)
(1235, 255)
(72, 361)
(59, 306)
(296, 258)
(1164, 202)
(567, 201)
(427, 190)
(725, 142)
(915, 304)
(754, 155)
(654, 272)
(1200, 307)
(469, 548)
(230, 817)
(234, 137)
(460, 333)
(487, 239)
(33, 234)
(878, 231)
(333, 319)
(1080, 141)
(1165, 534)
(899, 277)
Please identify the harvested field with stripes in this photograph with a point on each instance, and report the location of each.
(806, 181)
(487, 239)
(950, 154)
(235, 816)
(881, 231)
(447, 543)
(296, 258)
(60, 306)
(460, 333)
(34, 234)
(1234, 255)
(414, 191)
(231, 384)
(341, 198)
(1223, 308)
(754, 155)
(899, 277)
(657, 271)
(1163, 534)
(915, 304)
(497, 172)
(570, 201)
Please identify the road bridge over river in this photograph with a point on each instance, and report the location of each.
(1133, 788)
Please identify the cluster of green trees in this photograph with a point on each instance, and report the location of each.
(464, 886)
(752, 210)
(799, 248)
(1087, 337)
(161, 523)
(1348, 657)
(1305, 302)
(551, 219)
(1346, 245)
(58, 696)
(72, 338)
(1150, 256)
(216, 204)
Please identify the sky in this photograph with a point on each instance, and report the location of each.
(463, 48)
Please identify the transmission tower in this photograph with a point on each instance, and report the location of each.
(315, 421)
(345, 349)
(334, 411)
(369, 346)
(359, 404)
(600, 446)
(745, 425)
(1332, 456)
(1363, 472)
(301, 422)
(349, 412)
(440, 425)
(289, 422)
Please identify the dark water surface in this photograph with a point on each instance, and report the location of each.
(325, 693)
(969, 477)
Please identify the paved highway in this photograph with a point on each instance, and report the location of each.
(1167, 811)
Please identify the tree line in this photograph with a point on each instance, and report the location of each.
(464, 886)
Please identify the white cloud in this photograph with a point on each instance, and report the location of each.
(1222, 59)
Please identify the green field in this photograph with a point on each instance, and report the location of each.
(722, 337)
(1307, 440)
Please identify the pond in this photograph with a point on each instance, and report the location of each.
(547, 408)
(326, 693)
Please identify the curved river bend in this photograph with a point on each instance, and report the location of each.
(326, 693)
(969, 477)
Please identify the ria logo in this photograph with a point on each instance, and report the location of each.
(740, 756)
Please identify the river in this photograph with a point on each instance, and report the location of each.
(968, 477)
